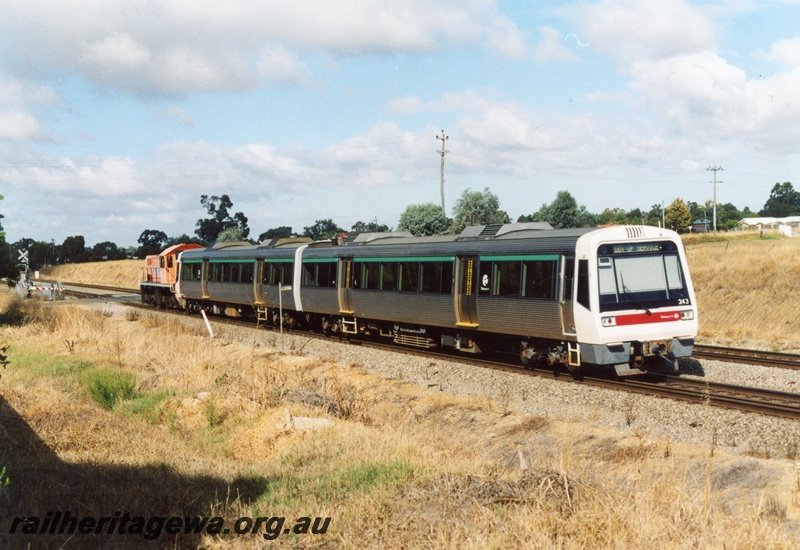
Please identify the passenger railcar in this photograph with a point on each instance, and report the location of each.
(618, 296)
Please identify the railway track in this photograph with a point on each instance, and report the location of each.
(729, 396)
(748, 399)
(121, 290)
(749, 356)
(108, 288)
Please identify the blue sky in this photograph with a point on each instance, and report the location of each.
(116, 116)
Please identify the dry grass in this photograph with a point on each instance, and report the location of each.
(399, 466)
(119, 273)
(747, 288)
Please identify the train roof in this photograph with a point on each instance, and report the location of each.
(521, 238)
(178, 248)
(518, 239)
(528, 238)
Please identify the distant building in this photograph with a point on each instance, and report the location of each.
(702, 226)
(788, 226)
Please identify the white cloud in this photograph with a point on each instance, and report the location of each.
(504, 37)
(784, 52)
(19, 126)
(552, 47)
(174, 48)
(22, 93)
(631, 30)
(117, 51)
(676, 75)
(278, 65)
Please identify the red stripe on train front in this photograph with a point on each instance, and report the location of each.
(643, 318)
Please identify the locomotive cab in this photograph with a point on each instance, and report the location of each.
(635, 306)
(159, 275)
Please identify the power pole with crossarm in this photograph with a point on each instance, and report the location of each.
(714, 169)
(443, 152)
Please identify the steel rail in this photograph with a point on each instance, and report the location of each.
(754, 357)
(101, 287)
(759, 400)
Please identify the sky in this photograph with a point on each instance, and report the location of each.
(115, 117)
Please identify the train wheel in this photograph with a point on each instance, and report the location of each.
(527, 356)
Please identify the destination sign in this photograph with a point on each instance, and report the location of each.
(635, 248)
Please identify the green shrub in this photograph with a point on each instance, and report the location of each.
(148, 405)
(109, 386)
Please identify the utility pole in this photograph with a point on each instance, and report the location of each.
(714, 169)
(443, 152)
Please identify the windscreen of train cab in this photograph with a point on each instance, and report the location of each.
(640, 276)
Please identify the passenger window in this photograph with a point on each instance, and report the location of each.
(327, 274)
(287, 274)
(309, 274)
(247, 273)
(540, 279)
(388, 276)
(431, 276)
(506, 279)
(370, 275)
(190, 272)
(409, 276)
(447, 278)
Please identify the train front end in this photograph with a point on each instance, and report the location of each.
(635, 307)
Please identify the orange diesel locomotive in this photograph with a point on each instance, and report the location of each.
(159, 275)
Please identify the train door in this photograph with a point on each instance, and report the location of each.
(258, 277)
(204, 279)
(568, 282)
(466, 291)
(345, 289)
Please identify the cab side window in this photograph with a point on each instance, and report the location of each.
(583, 283)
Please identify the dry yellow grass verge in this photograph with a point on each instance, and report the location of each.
(108, 411)
(747, 289)
(118, 273)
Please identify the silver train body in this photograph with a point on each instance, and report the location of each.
(617, 296)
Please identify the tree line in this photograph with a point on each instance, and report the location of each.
(471, 208)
